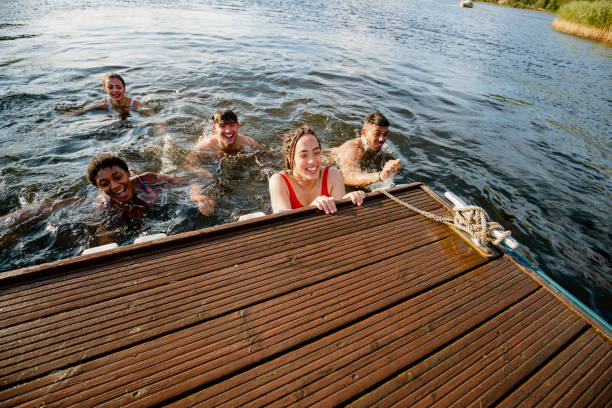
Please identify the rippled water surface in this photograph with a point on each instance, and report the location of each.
(488, 102)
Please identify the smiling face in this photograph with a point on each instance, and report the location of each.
(375, 136)
(114, 88)
(115, 183)
(227, 133)
(307, 157)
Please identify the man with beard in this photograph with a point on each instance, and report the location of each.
(349, 155)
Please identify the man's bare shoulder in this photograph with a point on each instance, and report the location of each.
(350, 150)
(208, 145)
(249, 142)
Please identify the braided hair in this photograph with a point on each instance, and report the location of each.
(290, 140)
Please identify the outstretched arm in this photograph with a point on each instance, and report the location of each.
(205, 204)
(353, 176)
(34, 213)
(200, 152)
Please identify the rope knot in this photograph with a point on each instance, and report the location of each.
(471, 219)
(476, 222)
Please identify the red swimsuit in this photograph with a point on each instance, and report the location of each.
(295, 203)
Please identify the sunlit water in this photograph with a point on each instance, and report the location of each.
(489, 103)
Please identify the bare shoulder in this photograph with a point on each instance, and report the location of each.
(349, 151)
(276, 179)
(279, 193)
(208, 145)
(249, 142)
(277, 183)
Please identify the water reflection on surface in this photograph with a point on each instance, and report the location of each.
(489, 103)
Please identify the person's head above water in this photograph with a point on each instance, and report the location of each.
(224, 115)
(290, 141)
(374, 131)
(114, 85)
(225, 126)
(111, 175)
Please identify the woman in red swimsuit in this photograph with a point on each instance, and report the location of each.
(305, 181)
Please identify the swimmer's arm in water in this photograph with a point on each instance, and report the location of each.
(199, 154)
(99, 104)
(34, 213)
(349, 162)
(103, 236)
(143, 108)
(205, 204)
(348, 158)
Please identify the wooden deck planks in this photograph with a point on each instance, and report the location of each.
(375, 306)
(399, 269)
(229, 296)
(135, 275)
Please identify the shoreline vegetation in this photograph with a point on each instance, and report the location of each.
(585, 18)
(582, 30)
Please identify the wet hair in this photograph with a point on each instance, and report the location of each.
(290, 140)
(376, 119)
(114, 76)
(224, 115)
(103, 161)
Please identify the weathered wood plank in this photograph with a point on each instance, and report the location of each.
(532, 391)
(416, 382)
(234, 294)
(395, 270)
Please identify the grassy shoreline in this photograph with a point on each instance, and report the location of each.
(582, 30)
(585, 18)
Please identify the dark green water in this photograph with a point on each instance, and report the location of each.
(489, 103)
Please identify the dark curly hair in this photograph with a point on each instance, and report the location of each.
(290, 140)
(377, 119)
(102, 161)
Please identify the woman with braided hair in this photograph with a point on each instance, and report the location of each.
(304, 181)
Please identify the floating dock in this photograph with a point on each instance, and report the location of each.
(372, 306)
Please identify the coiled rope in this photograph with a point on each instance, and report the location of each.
(472, 220)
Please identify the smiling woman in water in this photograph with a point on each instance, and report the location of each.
(132, 196)
(305, 180)
(116, 100)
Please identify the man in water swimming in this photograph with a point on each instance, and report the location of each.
(225, 139)
(350, 154)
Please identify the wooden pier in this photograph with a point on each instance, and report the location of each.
(373, 306)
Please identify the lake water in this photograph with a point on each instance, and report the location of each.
(488, 102)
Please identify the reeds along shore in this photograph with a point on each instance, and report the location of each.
(582, 30)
